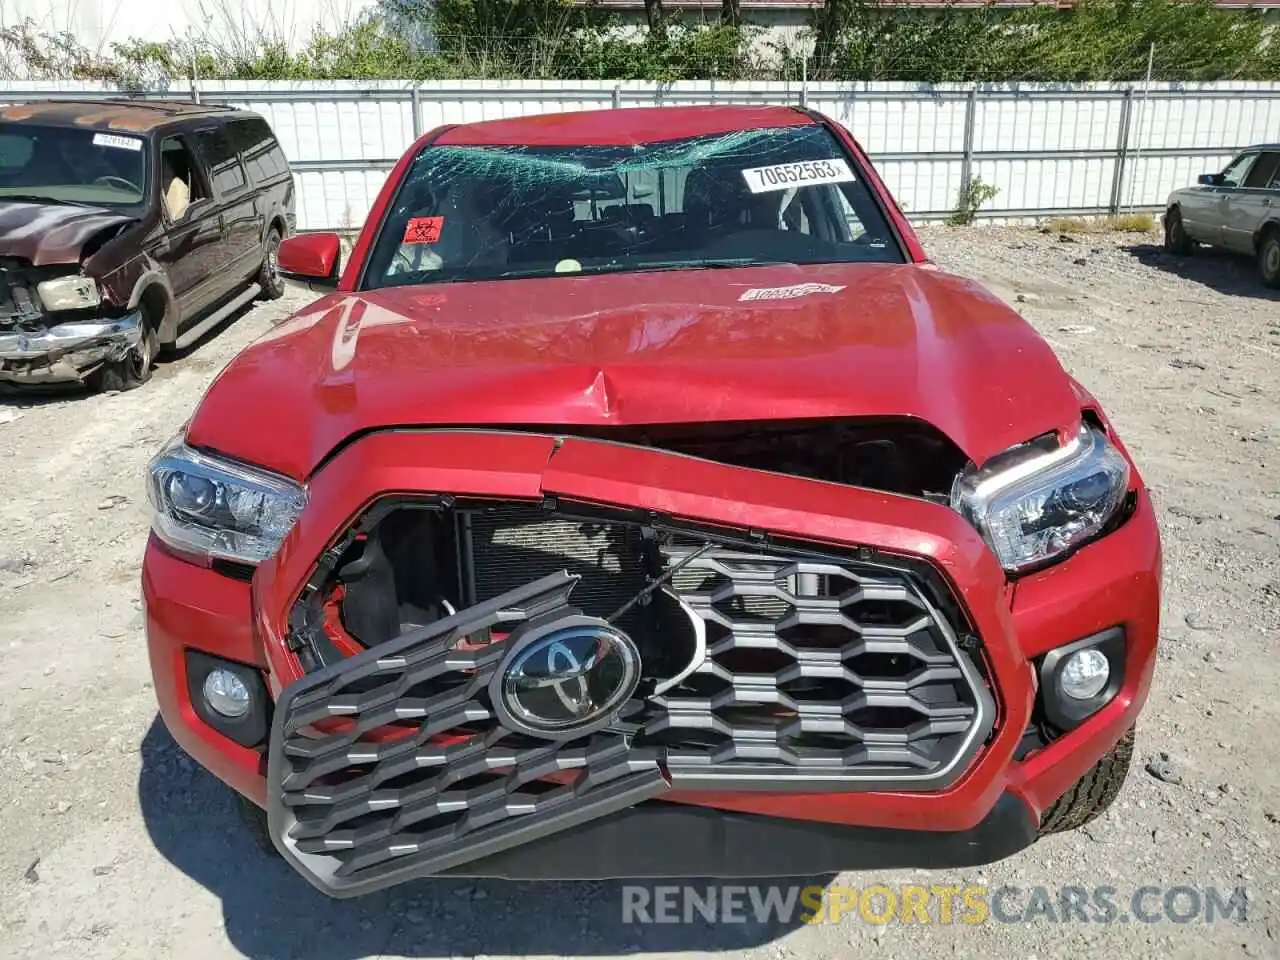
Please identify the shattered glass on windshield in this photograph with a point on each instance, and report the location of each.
(785, 195)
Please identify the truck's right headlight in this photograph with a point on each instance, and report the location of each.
(1040, 500)
(212, 508)
(69, 293)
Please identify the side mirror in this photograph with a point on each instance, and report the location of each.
(1210, 179)
(311, 259)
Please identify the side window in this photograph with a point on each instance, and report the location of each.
(1239, 168)
(181, 182)
(1264, 172)
(220, 155)
(257, 146)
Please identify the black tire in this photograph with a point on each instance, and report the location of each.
(1176, 240)
(255, 822)
(1089, 798)
(1269, 257)
(269, 278)
(134, 369)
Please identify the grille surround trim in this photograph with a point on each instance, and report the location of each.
(617, 774)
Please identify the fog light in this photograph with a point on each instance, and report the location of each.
(226, 694)
(1080, 678)
(1084, 674)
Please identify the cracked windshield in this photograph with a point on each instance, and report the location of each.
(785, 195)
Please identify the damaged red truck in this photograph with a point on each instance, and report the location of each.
(643, 502)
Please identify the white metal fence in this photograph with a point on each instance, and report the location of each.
(1086, 149)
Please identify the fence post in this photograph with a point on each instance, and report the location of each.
(1122, 152)
(415, 103)
(617, 95)
(970, 121)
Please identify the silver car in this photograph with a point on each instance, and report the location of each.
(1237, 209)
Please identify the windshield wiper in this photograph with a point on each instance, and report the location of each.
(716, 263)
(464, 274)
(36, 198)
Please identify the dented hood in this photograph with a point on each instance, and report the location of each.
(50, 233)
(761, 343)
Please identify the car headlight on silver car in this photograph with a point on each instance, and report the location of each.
(69, 293)
(214, 508)
(1040, 500)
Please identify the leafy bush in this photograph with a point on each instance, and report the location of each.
(1098, 40)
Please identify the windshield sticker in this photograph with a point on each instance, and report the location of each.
(783, 176)
(423, 229)
(119, 143)
(788, 293)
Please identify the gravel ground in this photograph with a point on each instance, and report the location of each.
(117, 846)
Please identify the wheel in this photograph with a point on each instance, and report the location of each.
(255, 821)
(1175, 234)
(1092, 793)
(132, 370)
(269, 278)
(1269, 257)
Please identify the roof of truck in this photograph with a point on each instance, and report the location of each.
(633, 125)
(111, 113)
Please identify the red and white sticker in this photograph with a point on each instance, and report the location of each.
(116, 142)
(783, 176)
(423, 229)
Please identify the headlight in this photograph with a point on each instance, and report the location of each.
(219, 509)
(69, 293)
(1040, 500)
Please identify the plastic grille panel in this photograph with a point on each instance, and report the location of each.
(814, 667)
(391, 764)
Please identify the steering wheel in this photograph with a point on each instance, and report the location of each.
(110, 181)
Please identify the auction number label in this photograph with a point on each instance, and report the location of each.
(782, 176)
(118, 143)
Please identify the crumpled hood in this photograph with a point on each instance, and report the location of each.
(48, 233)
(761, 343)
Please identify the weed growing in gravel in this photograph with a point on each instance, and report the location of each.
(1120, 223)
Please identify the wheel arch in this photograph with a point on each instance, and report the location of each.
(1268, 228)
(154, 292)
(275, 222)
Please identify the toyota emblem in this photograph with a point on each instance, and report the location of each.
(566, 678)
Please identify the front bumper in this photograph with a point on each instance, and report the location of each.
(65, 352)
(1112, 582)
(661, 840)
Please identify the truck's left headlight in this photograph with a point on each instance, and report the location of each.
(69, 293)
(1040, 500)
(213, 508)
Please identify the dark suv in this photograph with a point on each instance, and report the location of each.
(130, 226)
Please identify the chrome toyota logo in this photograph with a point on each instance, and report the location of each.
(566, 678)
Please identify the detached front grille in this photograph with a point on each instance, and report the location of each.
(761, 666)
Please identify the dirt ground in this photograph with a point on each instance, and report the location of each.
(117, 846)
